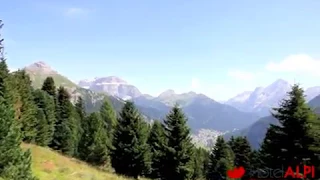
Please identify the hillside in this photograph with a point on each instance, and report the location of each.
(39, 71)
(50, 165)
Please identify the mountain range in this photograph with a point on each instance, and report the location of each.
(245, 114)
(262, 99)
(202, 112)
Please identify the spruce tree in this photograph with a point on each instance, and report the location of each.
(231, 142)
(178, 150)
(109, 118)
(296, 139)
(242, 153)
(42, 129)
(131, 156)
(221, 159)
(200, 163)
(14, 163)
(24, 103)
(96, 142)
(256, 161)
(80, 115)
(49, 86)
(80, 109)
(45, 116)
(86, 139)
(65, 136)
(156, 142)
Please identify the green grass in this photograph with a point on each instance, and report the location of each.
(50, 165)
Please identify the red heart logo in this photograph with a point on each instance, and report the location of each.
(236, 173)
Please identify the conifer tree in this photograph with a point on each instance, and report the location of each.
(296, 139)
(200, 163)
(231, 142)
(45, 116)
(256, 161)
(80, 109)
(4, 72)
(86, 139)
(178, 149)
(64, 138)
(131, 156)
(14, 163)
(96, 142)
(109, 118)
(80, 115)
(42, 129)
(242, 153)
(221, 159)
(156, 142)
(25, 105)
(49, 86)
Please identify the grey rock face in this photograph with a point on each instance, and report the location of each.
(113, 86)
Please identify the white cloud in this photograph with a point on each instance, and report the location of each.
(76, 11)
(241, 75)
(299, 63)
(195, 83)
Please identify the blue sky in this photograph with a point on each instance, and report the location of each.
(219, 48)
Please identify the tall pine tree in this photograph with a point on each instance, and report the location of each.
(296, 139)
(243, 154)
(109, 118)
(131, 156)
(200, 163)
(65, 135)
(97, 146)
(45, 116)
(24, 102)
(49, 86)
(15, 164)
(156, 142)
(178, 148)
(80, 115)
(221, 159)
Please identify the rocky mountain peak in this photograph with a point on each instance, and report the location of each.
(40, 66)
(279, 83)
(167, 93)
(112, 85)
